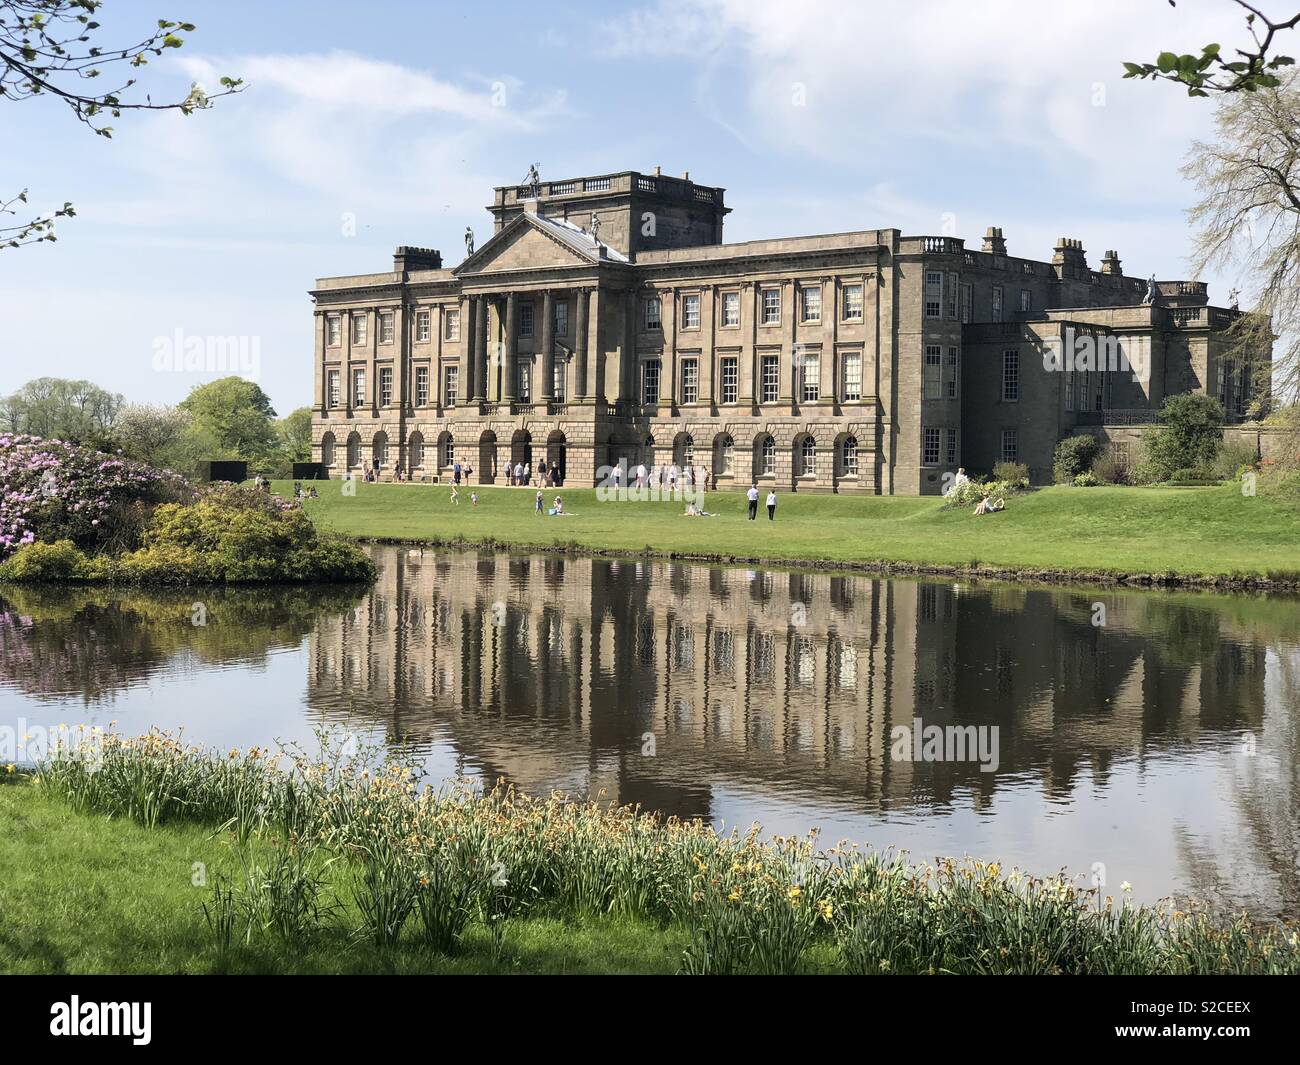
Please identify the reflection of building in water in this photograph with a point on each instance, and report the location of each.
(557, 672)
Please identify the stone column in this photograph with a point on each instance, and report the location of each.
(598, 377)
(322, 371)
(480, 348)
(509, 366)
(468, 348)
(580, 344)
(547, 391)
(668, 361)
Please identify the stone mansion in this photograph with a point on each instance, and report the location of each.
(605, 321)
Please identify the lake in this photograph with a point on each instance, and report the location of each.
(1146, 737)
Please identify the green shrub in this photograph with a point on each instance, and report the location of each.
(1232, 460)
(1016, 473)
(970, 493)
(1086, 479)
(1109, 468)
(1190, 436)
(1074, 455)
(60, 561)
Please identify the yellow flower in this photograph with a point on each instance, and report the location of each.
(10, 768)
(828, 911)
(795, 892)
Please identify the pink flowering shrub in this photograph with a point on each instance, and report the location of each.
(51, 490)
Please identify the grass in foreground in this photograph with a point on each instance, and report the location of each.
(328, 866)
(1191, 532)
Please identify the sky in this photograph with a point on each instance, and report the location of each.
(368, 126)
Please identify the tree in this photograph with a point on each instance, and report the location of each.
(1209, 72)
(45, 50)
(59, 409)
(1249, 214)
(1190, 435)
(295, 433)
(238, 415)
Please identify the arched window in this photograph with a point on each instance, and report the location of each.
(849, 456)
(327, 449)
(807, 457)
(688, 450)
(448, 450)
(648, 452)
(767, 457)
(379, 449)
(724, 456)
(415, 450)
(354, 451)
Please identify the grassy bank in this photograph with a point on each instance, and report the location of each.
(1192, 533)
(141, 854)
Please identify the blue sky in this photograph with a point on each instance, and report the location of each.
(817, 116)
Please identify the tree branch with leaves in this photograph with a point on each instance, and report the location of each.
(46, 50)
(1210, 71)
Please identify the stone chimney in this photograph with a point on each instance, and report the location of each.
(658, 171)
(1068, 257)
(993, 241)
(406, 258)
(1111, 265)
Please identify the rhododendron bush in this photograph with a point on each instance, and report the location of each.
(52, 490)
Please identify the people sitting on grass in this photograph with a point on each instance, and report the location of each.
(989, 505)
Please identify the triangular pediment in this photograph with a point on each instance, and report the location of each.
(527, 244)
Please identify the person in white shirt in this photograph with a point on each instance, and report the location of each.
(771, 506)
(640, 475)
(958, 481)
(752, 496)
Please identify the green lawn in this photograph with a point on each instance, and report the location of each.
(81, 893)
(1191, 532)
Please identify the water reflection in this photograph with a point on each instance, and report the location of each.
(1161, 744)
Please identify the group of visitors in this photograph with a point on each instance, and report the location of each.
(557, 507)
(518, 475)
(752, 497)
(669, 477)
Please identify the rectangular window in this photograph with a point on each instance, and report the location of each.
(933, 294)
(1010, 376)
(1069, 389)
(650, 382)
(332, 389)
(422, 325)
(451, 329)
(557, 380)
(851, 391)
(386, 386)
(1026, 299)
(812, 377)
(358, 387)
(333, 330)
(952, 447)
(385, 327)
(359, 328)
(525, 319)
(653, 316)
(950, 297)
(731, 308)
(691, 311)
(525, 371)
(930, 453)
(853, 303)
(771, 306)
(730, 368)
(967, 302)
(996, 314)
(770, 381)
(690, 381)
(954, 366)
(561, 319)
(1010, 446)
(932, 382)
(422, 386)
(810, 309)
(450, 385)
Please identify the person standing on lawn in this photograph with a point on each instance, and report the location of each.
(771, 505)
(752, 496)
